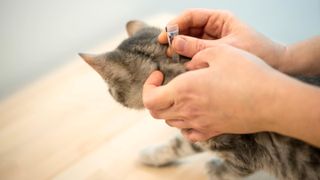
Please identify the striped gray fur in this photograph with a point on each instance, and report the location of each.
(125, 70)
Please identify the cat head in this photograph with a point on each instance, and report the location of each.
(126, 68)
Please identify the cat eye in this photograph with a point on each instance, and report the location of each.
(110, 91)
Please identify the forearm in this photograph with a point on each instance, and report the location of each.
(295, 111)
(302, 58)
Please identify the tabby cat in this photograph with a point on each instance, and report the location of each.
(125, 70)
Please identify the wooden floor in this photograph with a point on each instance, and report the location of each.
(65, 126)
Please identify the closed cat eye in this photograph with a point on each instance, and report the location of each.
(110, 91)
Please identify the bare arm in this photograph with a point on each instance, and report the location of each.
(302, 58)
(233, 95)
(205, 28)
(295, 110)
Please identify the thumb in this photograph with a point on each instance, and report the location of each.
(189, 46)
(155, 96)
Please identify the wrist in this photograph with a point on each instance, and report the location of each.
(278, 57)
(294, 111)
(270, 101)
(301, 58)
(286, 63)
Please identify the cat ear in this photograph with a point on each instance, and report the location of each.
(89, 58)
(134, 26)
(95, 61)
(106, 64)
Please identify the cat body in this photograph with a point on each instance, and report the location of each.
(127, 67)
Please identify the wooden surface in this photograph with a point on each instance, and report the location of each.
(66, 126)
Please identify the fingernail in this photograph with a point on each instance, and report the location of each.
(179, 44)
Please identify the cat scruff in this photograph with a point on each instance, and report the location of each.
(125, 70)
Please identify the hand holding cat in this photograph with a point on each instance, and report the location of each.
(203, 28)
(230, 90)
(215, 97)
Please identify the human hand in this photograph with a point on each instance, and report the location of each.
(202, 28)
(227, 91)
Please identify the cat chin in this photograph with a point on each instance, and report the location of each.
(133, 106)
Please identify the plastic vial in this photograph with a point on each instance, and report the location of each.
(172, 31)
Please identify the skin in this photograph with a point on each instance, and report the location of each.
(230, 89)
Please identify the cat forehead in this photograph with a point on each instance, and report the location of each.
(143, 44)
(147, 32)
(144, 36)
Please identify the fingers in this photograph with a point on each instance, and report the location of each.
(189, 46)
(177, 123)
(202, 23)
(193, 135)
(189, 19)
(162, 38)
(155, 96)
(206, 57)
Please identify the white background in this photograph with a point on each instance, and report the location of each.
(37, 36)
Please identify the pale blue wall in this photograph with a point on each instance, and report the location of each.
(39, 35)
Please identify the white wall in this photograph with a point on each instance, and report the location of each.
(37, 36)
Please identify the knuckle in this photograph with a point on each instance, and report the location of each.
(188, 106)
(190, 112)
(227, 13)
(192, 106)
(199, 45)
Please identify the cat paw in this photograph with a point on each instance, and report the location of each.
(213, 169)
(156, 155)
(218, 171)
(213, 165)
